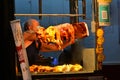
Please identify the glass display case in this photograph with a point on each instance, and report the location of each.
(81, 60)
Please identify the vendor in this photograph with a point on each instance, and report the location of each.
(30, 40)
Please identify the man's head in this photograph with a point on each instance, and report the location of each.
(31, 24)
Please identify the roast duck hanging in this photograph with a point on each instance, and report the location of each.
(62, 35)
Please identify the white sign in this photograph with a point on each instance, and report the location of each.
(19, 42)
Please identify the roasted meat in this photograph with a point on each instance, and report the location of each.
(63, 35)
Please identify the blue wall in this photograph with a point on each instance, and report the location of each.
(112, 36)
(111, 45)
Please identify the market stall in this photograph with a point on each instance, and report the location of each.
(85, 63)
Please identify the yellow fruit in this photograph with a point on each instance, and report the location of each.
(100, 32)
(100, 40)
(99, 50)
(100, 57)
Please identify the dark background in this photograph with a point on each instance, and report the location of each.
(7, 57)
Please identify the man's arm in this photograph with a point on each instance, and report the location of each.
(28, 38)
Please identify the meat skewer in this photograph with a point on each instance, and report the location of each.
(63, 34)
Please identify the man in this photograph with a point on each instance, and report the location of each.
(30, 40)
